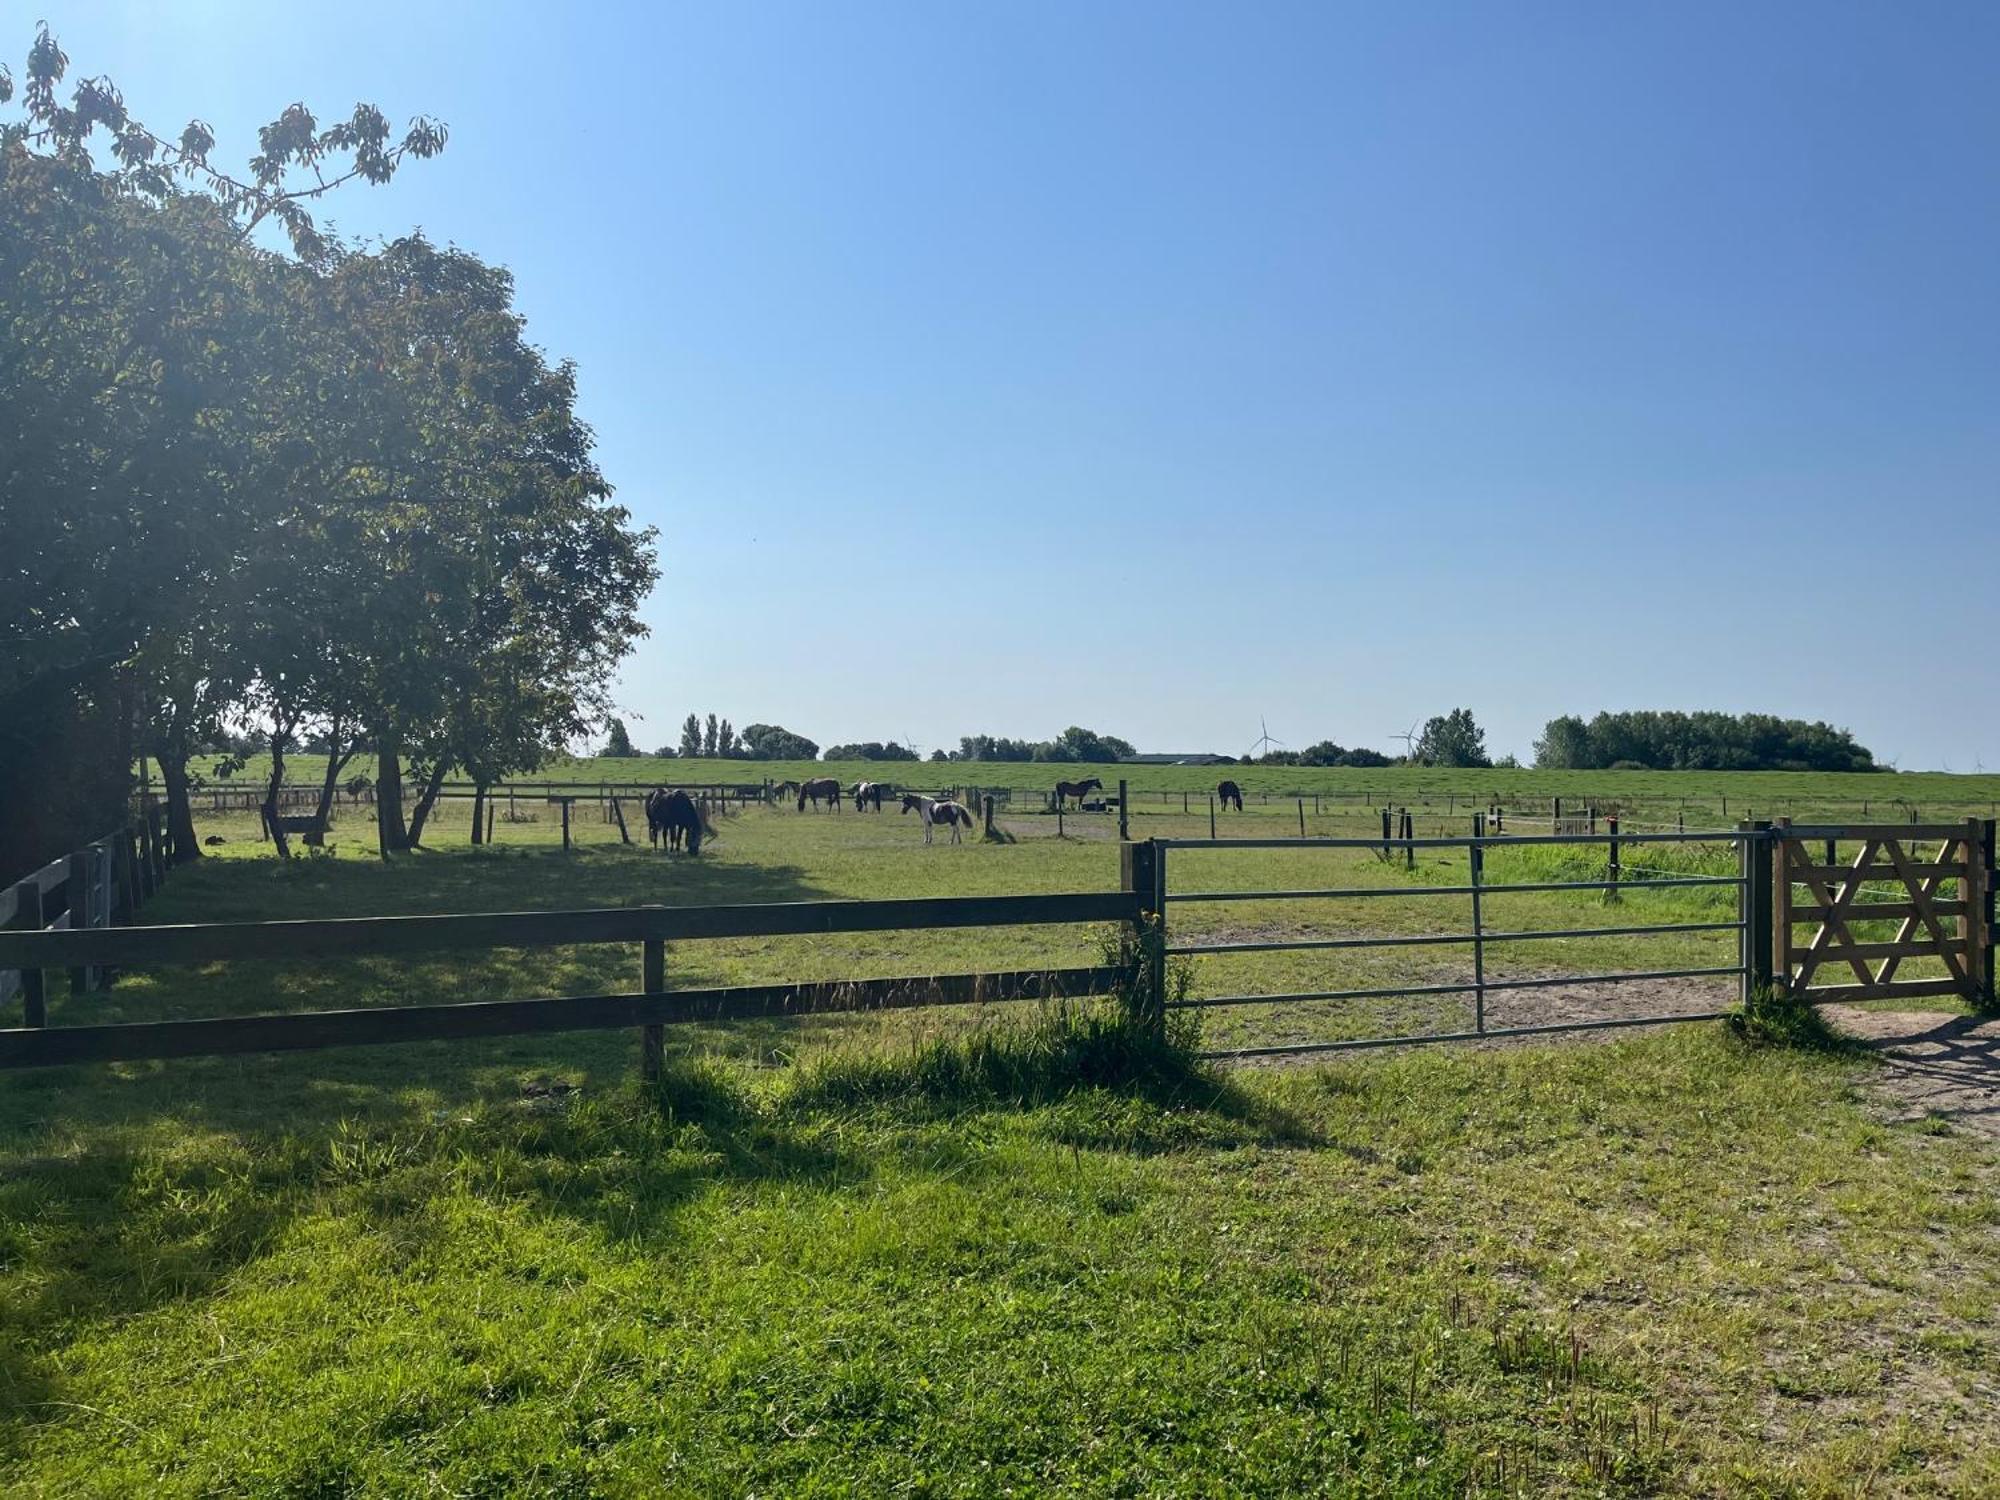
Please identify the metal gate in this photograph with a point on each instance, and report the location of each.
(1623, 873)
(1889, 882)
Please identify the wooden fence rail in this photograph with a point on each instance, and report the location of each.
(38, 1045)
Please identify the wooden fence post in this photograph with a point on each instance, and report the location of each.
(1757, 905)
(1612, 866)
(77, 890)
(1142, 873)
(619, 808)
(1124, 809)
(1211, 815)
(987, 805)
(1556, 818)
(653, 1036)
(1302, 817)
(1983, 957)
(29, 913)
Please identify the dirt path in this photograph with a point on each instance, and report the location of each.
(1934, 1065)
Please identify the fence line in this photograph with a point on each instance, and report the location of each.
(38, 1044)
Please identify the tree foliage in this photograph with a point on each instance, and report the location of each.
(1451, 739)
(775, 742)
(1703, 741)
(1073, 744)
(333, 496)
(870, 750)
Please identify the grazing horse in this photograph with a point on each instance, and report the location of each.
(820, 788)
(1229, 794)
(952, 814)
(1077, 789)
(675, 815)
(869, 794)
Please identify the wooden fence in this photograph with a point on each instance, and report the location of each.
(104, 882)
(651, 1009)
(1888, 877)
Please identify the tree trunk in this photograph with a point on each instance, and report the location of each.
(272, 817)
(479, 813)
(391, 834)
(337, 759)
(182, 845)
(421, 813)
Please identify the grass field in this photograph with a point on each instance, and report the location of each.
(961, 1253)
(1707, 799)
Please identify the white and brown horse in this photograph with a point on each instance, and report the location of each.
(938, 810)
(820, 789)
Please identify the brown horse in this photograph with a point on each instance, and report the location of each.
(820, 789)
(1077, 789)
(675, 815)
(952, 814)
(1229, 794)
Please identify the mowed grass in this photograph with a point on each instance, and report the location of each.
(953, 1253)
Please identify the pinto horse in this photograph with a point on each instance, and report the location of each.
(942, 810)
(1077, 789)
(821, 788)
(1229, 794)
(869, 794)
(675, 815)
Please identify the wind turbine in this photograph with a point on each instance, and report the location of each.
(1264, 742)
(1409, 739)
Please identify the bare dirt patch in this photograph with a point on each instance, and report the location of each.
(1934, 1066)
(1628, 1004)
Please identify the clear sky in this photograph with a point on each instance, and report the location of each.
(1154, 367)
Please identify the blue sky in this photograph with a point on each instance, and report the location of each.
(994, 368)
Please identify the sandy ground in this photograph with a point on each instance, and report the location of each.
(1934, 1065)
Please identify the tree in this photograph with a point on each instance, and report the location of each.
(711, 740)
(1451, 739)
(774, 742)
(726, 743)
(940, 755)
(1703, 741)
(144, 349)
(690, 737)
(870, 750)
(1564, 745)
(666, 752)
(617, 743)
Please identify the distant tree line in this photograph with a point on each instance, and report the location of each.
(1673, 741)
(1072, 745)
(871, 750)
(333, 495)
(1325, 753)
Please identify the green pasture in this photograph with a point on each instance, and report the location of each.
(964, 1252)
(1706, 798)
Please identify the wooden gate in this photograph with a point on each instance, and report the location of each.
(1932, 882)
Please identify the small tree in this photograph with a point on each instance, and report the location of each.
(1451, 739)
(711, 742)
(690, 737)
(618, 743)
(726, 744)
(775, 742)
